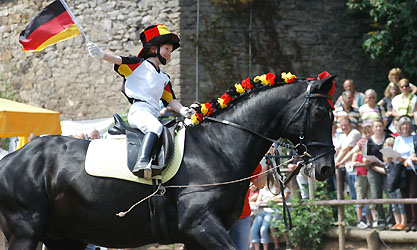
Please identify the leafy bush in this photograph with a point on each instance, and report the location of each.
(310, 222)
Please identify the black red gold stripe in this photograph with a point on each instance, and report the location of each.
(51, 25)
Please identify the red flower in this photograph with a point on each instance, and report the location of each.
(270, 78)
(209, 108)
(323, 75)
(246, 84)
(199, 116)
(227, 98)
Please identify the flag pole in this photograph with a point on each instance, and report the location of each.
(75, 20)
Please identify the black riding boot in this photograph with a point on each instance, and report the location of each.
(143, 166)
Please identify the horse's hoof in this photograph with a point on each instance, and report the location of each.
(147, 174)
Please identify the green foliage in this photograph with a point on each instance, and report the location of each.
(310, 222)
(351, 218)
(394, 32)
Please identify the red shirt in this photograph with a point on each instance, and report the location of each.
(246, 207)
(361, 170)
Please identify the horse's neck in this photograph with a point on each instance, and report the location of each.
(262, 113)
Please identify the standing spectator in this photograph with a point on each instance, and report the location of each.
(240, 231)
(358, 97)
(370, 112)
(395, 74)
(397, 209)
(347, 111)
(404, 145)
(404, 103)
(376, 179)
(348, 140)
(386, 103)
(301, 178)
(361, 184)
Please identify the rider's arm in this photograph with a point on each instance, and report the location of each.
(112, 58)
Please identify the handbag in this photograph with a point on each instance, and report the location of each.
(395, 176)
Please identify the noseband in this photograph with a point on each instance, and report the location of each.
(301, 147)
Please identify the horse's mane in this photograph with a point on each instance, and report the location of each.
(247, 87)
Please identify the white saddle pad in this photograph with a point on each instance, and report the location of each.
(108, 158)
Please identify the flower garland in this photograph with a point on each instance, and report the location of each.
(207, 109)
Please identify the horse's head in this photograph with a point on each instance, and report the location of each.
(309, 125)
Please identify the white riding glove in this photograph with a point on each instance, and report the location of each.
(186, 112)
(95, 51)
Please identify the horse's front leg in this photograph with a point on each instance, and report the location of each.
(206, 231)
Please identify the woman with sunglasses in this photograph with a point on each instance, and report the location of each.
(404, 103)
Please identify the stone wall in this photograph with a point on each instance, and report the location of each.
(63, 77)
(304, 37)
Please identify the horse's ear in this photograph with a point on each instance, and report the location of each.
(325, 83)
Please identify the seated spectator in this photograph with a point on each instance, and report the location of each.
(262, 222)
(94, 134)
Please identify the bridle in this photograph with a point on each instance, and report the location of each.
(301, 147)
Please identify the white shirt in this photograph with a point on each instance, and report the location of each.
(146, 84)
(349, 140)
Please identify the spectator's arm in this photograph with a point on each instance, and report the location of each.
(342, 155)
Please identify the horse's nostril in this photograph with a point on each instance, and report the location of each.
(325, 172)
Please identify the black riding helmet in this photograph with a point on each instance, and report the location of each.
(155, 35)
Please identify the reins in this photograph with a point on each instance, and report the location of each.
(162, 189)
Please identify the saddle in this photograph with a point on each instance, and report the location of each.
(163, 150)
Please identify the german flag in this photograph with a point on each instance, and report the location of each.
(52, 25)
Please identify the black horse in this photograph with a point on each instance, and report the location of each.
(45, 194)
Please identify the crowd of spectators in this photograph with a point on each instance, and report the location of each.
(365, 128)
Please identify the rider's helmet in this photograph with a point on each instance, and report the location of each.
(155, 35)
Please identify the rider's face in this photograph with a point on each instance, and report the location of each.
(166, 50)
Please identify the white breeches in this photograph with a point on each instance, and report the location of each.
(144, 117)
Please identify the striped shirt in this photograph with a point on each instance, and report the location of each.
(353, 115)
(368, 114)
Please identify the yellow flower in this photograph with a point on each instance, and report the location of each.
(288, 77)
(194, 119)
(239, 88)
(221, 102)
(261, 78)
(204, 109)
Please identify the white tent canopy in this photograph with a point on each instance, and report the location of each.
(85, 126)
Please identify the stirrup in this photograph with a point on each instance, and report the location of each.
(147, 173)
(144, 172)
